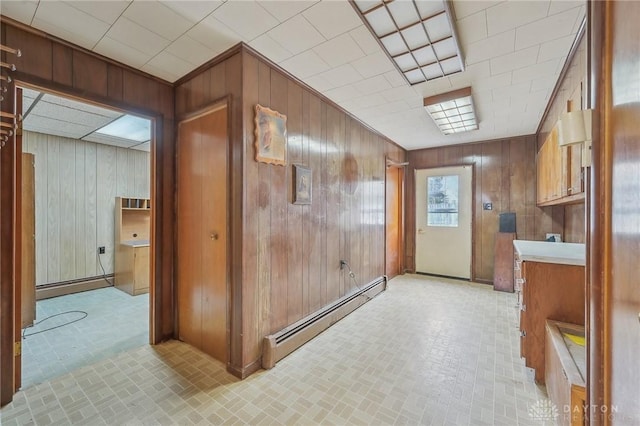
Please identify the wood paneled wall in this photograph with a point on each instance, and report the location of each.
(55, 65)
(76, 183)
(570, 220)
(292, 252)
(285, 258)
(505, 175)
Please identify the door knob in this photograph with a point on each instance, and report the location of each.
(214, 236)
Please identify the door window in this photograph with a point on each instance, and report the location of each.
(442, 201)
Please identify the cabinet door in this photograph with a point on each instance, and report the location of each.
(573, 170)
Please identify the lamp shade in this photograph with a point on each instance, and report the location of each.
(574, 127)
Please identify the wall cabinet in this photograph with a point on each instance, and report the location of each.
(560, 178)
(133, 220)
(548, 291)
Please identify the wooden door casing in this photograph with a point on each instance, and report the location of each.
(202, 222)
(393, 250)
(28, 259)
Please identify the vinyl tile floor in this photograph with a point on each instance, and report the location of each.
(80, 329)
(426, 351)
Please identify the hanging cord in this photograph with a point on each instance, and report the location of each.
(104, 273)
(352, 274)
(24, 332)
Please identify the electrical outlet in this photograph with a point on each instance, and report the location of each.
(101, 250)
(487, 206)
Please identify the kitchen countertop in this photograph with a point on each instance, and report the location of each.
(547, 252)
(136, 243)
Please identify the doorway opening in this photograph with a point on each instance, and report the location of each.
(85, 229)
(444, 221)
(394, 194)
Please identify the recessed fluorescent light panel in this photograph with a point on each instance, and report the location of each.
(418, 35)
(452, 112)
(128, 127)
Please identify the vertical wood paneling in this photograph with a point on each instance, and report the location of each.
(504, 175)
(66, 202)
(76, 185)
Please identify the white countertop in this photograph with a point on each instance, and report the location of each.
(135, 243)
(546, 252)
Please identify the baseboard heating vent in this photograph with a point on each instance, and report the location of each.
(279, 345)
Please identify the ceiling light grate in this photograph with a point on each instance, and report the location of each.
(453, 112)
(418, 36)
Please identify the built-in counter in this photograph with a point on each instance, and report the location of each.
(551, 284)
(547, 252)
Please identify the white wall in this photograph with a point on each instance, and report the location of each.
(76, 185)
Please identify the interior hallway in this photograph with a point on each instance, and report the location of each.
(426, 351)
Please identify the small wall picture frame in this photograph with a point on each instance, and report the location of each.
(302, 181)
(271, 136)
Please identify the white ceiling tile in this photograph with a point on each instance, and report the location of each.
(41, 123)
(557, 6)
(344, 74)
(305, 64)
(70, 103)
(144, 146)
(332, 18)
(193, 10)
(546, 29)
(493, 82)
(582, 12)
(170, 64)
(133, 35)
(69, 23)
(70, 115)
(433, 87)
(509, 15)
(214, 34)
(515, 60)
(373, 85)
(270, 48)
(22, 11)
(285, 9)
(109, 140)
(190, 50)
(339, 50)
(158, 18)
(463, 8)
(246, 18)
(472, 28)
(127, 55)
(399, 93)
(369, 101)
(538, 70)
(374, 64)
(543, 83)
(513, 91)
(365, 40)
(167, 75)
(395, 78)
(296, 35)
(490, 47)
(343, 93)
(106, 11)
(319, 83)
(555, 48)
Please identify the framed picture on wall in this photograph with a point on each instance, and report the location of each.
(302, 180)
(271, 136)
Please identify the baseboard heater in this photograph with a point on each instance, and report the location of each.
(279, 345)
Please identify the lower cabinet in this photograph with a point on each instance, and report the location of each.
(132, 268)
(549, 291)
(565, 371)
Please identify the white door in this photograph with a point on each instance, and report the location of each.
(443, 221)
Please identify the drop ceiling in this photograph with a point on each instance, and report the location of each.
(54, 115)
(513, 52)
